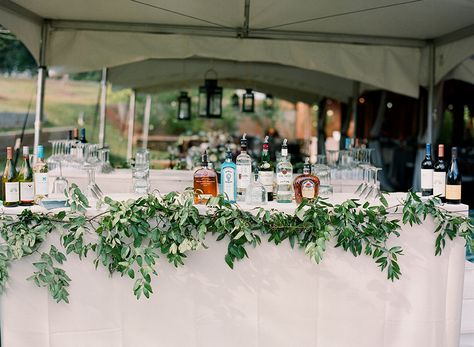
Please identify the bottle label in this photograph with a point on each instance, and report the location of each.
(284, 176)
(41, 183)
(453, 192)
(228, 183)
(426, 178)
(439, 183)
(12, 192)
(27, 191)
(266, 178)
(243, 175)
(308, 189)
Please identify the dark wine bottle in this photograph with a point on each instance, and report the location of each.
(453, 180)
(439, 175)
(427, 173)
(82, 137)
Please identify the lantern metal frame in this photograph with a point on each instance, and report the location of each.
(184, 104)
(248, 97)
(269, 102)
(210, 98)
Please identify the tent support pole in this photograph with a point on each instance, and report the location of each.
(146, 121)
(355, 100)
(431, 79)
(131, 121)
(42, 70)
(103, 107)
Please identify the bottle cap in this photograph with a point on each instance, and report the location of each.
(76, 133)
(307, 166)
(284, 148)
(266, 146)
(9, 153)
(204, 158)
(440, 150)
(348, 143)
(40, 151)
(26, 151)
(243, 141)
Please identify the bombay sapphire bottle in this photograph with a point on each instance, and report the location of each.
(228, 178)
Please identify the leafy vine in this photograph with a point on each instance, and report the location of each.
(128, 236)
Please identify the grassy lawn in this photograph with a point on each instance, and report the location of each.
(65, 100)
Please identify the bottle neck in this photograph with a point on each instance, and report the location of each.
(306, 170)
(428, 151)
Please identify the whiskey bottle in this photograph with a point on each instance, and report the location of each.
(205, 182)
(306, 186)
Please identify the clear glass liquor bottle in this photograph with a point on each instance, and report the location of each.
(256, 192)
(244, 169)
(266, 169)
(284, 176)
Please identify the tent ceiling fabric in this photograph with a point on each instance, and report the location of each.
(378, 42)
(168, 74)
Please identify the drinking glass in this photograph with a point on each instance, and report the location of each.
(375, 192)
(141, 172)
(60, 183)
(256, 193)
(93, 190)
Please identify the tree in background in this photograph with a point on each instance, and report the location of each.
(14, 56)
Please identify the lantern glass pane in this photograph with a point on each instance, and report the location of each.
(203, 101)
(215, 103)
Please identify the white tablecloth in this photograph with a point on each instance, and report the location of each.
(278, 297)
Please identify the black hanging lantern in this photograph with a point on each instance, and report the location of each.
(248, 101)
(235, 100)
(210, 99)
(269, 103)
(184, 106)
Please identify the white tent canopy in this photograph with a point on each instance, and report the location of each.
(378, 42)
(293, 84)
(395, 45)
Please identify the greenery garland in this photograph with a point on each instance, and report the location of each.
(128, 236)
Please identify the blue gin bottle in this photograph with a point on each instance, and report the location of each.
(228, 178)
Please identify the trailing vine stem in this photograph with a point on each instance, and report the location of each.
(127, 237)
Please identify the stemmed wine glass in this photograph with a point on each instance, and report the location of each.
(374, 192)
(365, 165)
(60, 183)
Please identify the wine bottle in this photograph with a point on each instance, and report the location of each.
(40, 175)
(439, 175)
(453, 180)
(82, 137)
(266, 170)
(427, 173)
(10, 186)
(25, 178)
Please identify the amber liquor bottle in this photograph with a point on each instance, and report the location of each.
(205, 182)
(306, 186)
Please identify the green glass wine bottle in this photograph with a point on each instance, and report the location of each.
(10, 186)
(25, 177)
